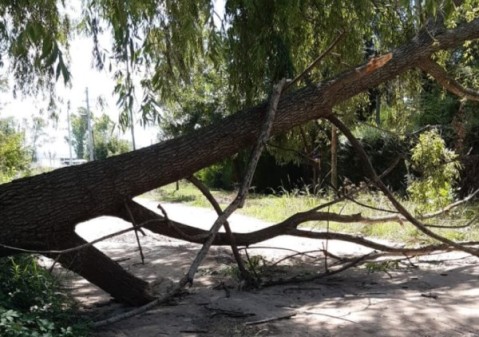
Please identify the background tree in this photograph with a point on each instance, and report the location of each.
(14, 156)
(79, 130)
(37, 132)
(106, 144)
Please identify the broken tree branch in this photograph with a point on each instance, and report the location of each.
(133, 222)
(317, 60)
(234, 248)
(450, 84)
(379, 183)
(242, 193)
(157, 224)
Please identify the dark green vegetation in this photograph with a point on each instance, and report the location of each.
(32, 303)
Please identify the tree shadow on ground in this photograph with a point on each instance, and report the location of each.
(434, 297)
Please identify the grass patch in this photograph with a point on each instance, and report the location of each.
(277, 207)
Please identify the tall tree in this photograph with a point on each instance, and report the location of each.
(41, 212)
(106, 144)
(79, 130)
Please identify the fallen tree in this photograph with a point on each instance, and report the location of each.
(41, 212)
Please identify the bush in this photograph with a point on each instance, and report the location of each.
(437, 167)
(31, 303)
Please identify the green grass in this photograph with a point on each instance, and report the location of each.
(277, 207)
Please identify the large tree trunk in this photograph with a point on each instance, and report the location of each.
(40, 212)
(102, 271)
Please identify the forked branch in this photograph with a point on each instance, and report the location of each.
(450, 84)
(370, 171)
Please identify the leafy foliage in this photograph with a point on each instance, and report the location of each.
(105, 143)
(34, 34)
(79, 128)
(14, 156)
(31, 304)
(438, 168)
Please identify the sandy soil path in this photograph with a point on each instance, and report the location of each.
(438, 296)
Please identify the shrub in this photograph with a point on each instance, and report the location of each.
(31, 303)
(437, 167)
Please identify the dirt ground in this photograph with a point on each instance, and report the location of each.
(431, 296)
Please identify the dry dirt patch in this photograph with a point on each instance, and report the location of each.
(432, 296)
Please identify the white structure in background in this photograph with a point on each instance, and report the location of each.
(71, 162)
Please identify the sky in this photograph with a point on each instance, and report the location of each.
(99, 84)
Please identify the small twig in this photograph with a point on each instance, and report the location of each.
(325, 247)
(252, 266)
(302, 254)
(73, 249)
(430, 295)
(469, 223)
(282, 248)
(50, 270)
(271, 319)
(352, 199)
(317, 60)
(330, 272)
(136, 232)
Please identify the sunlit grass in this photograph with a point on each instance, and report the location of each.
(277, 207)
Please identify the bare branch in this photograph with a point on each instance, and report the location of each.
(132, 219)
(317, 60)
(73, 249)
(159, 225)
(451, 206)
(329, 272)
(342, 198)
(242, 193)
(377, 180)
(450, 84)
(234, 248)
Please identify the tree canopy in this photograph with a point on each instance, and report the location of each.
(253, 45)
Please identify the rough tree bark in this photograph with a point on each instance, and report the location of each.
(41, 212)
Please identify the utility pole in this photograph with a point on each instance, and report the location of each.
(130, 108)
(334, 157)
(132, 129)
(90, 131)
(69, 133)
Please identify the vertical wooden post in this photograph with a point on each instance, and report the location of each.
(334, 157)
